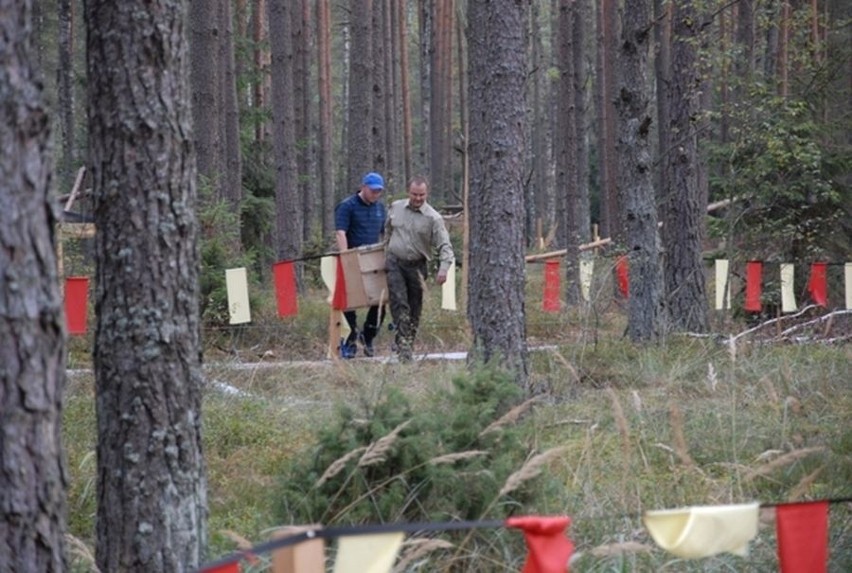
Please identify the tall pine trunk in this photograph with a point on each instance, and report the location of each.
(683, 209)
(152, 495)
(32, 351)
(645, 316)
(497, 116)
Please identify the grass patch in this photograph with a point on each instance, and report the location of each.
(636, 427)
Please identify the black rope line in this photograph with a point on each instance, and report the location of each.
(352, 530)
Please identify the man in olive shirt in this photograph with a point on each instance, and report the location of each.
(414, 231)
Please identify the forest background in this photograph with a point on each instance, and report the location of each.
(743, 103)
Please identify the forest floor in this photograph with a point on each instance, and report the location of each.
(692, 421)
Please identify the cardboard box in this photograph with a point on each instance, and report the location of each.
(365, 276)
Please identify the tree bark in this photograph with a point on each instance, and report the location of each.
(359, 145)
(645, 316)
(497, 116)
(232, 162)
(32, 352)
(326, 126)
(378, 83)
(288, 203)
(152, 496)
(303, 112)
(567, 200)
(607, 32)
(683, 212)
(407, 147)
(206, 89)
(65, 92)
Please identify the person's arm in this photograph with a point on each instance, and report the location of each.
(441, 242)
(342, 243)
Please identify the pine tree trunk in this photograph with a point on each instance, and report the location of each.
(302, 101)
(65, 92)
(378, 82)
(497, 116)
(232, 162)
(407, 146)
(32, 351)
(206, 93)
(359, 144)
(645, 316)
(326, 127)
(152, 506)
(288, 203)
(683, 211)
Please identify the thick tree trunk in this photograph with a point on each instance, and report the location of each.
(497, 115)
(32, 351)
(645, 316)
(683, 211)
(152, 496)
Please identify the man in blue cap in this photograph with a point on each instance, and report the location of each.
(359, 220)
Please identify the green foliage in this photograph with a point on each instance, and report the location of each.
(785, 176)
(408, 484)
(220, 250)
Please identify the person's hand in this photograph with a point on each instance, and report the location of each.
(441, 278)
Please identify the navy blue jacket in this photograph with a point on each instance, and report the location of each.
(363, 223)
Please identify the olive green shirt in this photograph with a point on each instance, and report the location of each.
(415, 234)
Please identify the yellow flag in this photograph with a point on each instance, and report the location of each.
(448, 290)
(367, 553)
(695, 532)
(236, 283)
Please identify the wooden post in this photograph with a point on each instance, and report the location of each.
(305, 557)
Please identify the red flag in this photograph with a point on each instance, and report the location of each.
(754, 277)
(550, 303)
(802, 530)
(233, 567)
(338, 301)
(76, 304)
(285, 288)
(622, 273)
(817, 284)
(549, 548)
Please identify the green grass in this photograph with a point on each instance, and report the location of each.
(680, 423)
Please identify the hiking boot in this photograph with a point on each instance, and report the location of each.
(347, 349)
(369, 350)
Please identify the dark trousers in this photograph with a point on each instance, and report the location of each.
(405, 292)
(375, 316)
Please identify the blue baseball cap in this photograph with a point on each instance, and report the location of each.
(374, 181)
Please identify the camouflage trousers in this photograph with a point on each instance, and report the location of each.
(405, 292)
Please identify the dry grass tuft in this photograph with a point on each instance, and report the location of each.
(418, 548)
(611, 549)
(457, 457)
(241, 542)
(377, 451)
(680, 447)
(801, 488)
(509, 417)
(620, 422)
(532, 468)
(79, 550)
(780, 462)
(337, 466)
